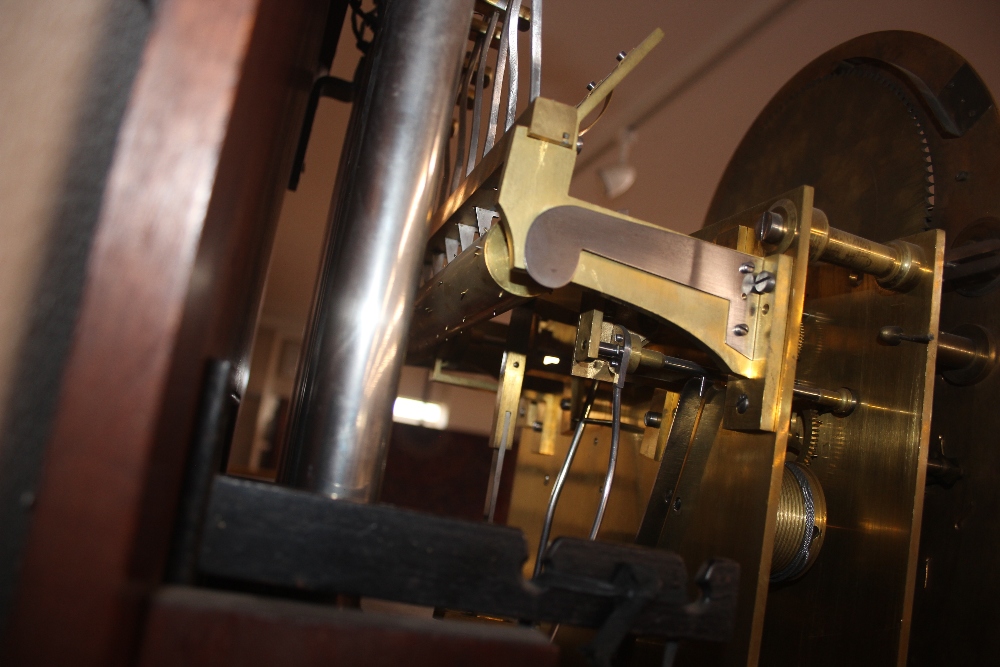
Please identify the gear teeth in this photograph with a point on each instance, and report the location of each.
(811, 426)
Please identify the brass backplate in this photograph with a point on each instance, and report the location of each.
(853, 606)
(865, 124)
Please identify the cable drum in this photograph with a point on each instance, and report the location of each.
(801, 523)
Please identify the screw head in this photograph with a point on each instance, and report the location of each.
(771, 228)
(621, 56)
(566, 404)
(747, 267)
(591, 85)
(742, 403)
(741, 330)
(764, 282)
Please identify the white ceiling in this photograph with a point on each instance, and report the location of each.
(682, 149)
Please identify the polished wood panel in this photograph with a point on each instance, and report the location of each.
(444, 473)
(198, 628)
(174, 279)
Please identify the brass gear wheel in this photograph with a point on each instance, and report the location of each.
(811, 427)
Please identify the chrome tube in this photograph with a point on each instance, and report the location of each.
(364, 298)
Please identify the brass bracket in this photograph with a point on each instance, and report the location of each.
(593, 331)
(519, 336)
(762, 402)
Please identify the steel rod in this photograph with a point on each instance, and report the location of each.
(608, 422)
(840, 401)
(494, 491)
(623, 336)
(364, 298)
(498, 74)
(557, 487)
(514, 8)
(616, 431)
(463, 112)
(477, 104)
(536, 50)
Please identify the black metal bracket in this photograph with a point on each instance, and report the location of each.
(206, 457)
(259, 534)
(971, 261)
(632, 588)
(324, 86)
(637, 586)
